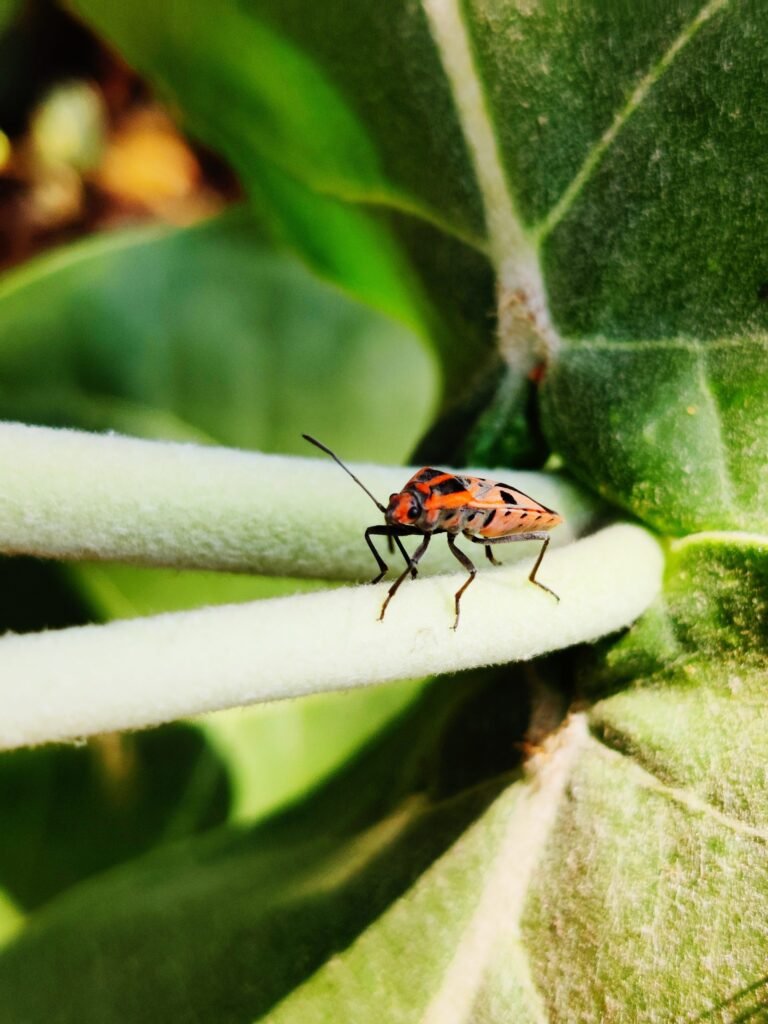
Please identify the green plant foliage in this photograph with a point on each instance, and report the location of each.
(8, 11)
(205, 333)
(631, 165)
(143, 789)
(675, 430)
(629, 158)
(565, 202)
(198, 334)
(344, 132)
(668, 807)
(642, 831)
(282, 896)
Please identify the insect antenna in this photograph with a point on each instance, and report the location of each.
(328, 451)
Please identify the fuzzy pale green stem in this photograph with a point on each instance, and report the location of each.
(68, 494)
(75, 682)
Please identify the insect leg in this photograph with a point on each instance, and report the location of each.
(532, 575)
(489, 555)
(468, 565)
(379, 560)
(539, 535)
(392, 533)
(408, 560)
(413, 562)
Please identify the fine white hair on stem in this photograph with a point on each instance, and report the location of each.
(69, 494)
(75, 682)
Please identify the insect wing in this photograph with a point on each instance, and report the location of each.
(497, 510)
(491, 494)
(440, 490)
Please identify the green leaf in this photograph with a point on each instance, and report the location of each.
(626, 145)
(326, 117)
(639, 829)
(352, 104)
(616, 172)
(200, 334)
(276, 753)
(676, 431)
(11, 918)
(252, 911)
(142, 789)
(344, 131)
(205, 333)
(8, 12)
(625, 880)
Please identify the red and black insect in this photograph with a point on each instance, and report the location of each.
(434, 501)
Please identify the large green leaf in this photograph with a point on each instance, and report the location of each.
(155, 786)
(206, 334)
(628, 143)
(221, 927)
(614, 156)
(626, 880)
(323, 112)
(367, 123)
(622, 879)
(344, 130)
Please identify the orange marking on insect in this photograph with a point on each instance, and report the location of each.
(436, 501)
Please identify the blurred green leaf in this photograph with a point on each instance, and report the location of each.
(275, 756)
(206, 332)
(350, 101)
(153, 786)
(8, 11)
(116, 591)
(343, 129)
(11, 918)
(640, 830)
(220, 927)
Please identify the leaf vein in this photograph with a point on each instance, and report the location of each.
(502, 901)
(679, 343)
(634, 102)
(449, 32)
(710, 400)
(685, 798)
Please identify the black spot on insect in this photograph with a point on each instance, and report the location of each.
(449, 486)
(523, 515)
(489, 517)
(762, 291)
(429, 474)
(507, 498)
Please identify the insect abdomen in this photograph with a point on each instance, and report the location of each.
(502, 521)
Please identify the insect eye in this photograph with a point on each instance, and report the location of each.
(413, 511)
